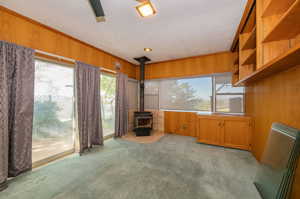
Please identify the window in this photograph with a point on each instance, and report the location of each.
(53, 120)
(132, 101)
(133, 94)
(228, 99)
(108, 95)
(206, 94)
(186, 94)
(152, 95)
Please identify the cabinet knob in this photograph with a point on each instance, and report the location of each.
(221, 124)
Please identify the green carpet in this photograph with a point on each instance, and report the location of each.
(174, 168)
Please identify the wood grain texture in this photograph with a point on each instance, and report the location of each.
(250, 58)
(250, 40)
(247, 58)
(237, 134)
(285, 61)
(209, 131)
(200, 65)
(274, 99)
(248, 18)
(287, 26)
(220, 130)
(225, 130)
(235, 77)
(270, 51)
(23, 31)
(251, 22)
(274, 93)
(181, 123)
(273, 7)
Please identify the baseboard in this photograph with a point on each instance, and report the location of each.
(52, 158)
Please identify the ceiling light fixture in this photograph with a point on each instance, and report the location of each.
(147, 49)
(146, 9)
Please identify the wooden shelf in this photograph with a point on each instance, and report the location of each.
(281, 63)
(251, 58)
(275, 7)
(235, 79)
(288, 25)
(236, 61)
(236, 72)
(250, 42)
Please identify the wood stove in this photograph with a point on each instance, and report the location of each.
(143, 121)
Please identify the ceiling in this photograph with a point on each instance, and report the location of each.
(181, 28)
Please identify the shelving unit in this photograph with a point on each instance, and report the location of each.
(250, 42)
(236, 62)
(246, 60)
(288, 25)
(236, 72)
(276, 7)
(235, 79)
(250, 58)
(279, 50)
(284, 62)
(236, 69)
(247, 51)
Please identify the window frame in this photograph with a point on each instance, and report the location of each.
(145, 94)
(110, 74)
(137, 89)
(214, 94)
(62, 154)
(232, 94)
(191, 77)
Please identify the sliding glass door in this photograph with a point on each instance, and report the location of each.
(53, 124)
(108, 95)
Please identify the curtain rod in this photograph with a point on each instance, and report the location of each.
(68, 59)
(55, 56)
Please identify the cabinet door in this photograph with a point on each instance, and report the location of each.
(192, 128)
(210, 131)
(171, 122)
(187, 124)
(181, 123)
(237, 134)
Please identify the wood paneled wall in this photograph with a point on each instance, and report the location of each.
(201, 65)
(276, 98)
(21, 30)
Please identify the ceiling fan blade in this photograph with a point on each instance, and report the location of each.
(98, 10)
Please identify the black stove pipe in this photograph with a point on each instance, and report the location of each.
(142, 61)
(142, 87)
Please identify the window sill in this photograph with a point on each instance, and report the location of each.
(205, 113)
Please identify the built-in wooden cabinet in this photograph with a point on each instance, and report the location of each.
(181, 123)
(246, 48)
(210, 131)
(220, 130)
(237, 133)
(273, 44)
(227, 131)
